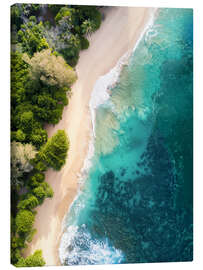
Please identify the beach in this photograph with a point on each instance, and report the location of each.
(119, 31)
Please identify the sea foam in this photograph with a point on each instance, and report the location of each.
(78, 247)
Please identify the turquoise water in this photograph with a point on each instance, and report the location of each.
(137, 201)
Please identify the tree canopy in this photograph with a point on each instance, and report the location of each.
(21, 154)
(31, 37)
(33, 260)
(24, 221)
(53, 154)
(50, 70)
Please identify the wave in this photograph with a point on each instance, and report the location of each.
(147, 27)
(78, 248)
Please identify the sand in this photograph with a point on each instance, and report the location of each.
(119, 31)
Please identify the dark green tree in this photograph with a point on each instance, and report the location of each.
(31, 37)
(54, 152)
(24, 222)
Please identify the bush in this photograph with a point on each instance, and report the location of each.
(54, 152)
(84, 43)
(36, 179)
(26, 121)
(43, 191)
(40, 166)
(24, 221)
(33, 260)
(63, 12)
(29, 203)
(50, 70)
(39, 193)
(31, 37)
(20, 135)
(48, 190)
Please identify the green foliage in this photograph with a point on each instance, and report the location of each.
(21, 155)
(63, 12)
(24, 221)
(33, 260)
(29, 203)
(16, 19)
(90, 13)
(36, 179)
(43, 191)
(26, 121)
(31, 235)
(40, 166)
(73, 23)
(50, 70)
(20, 136)
(88, 27)
(17, 243)
(19, 73)
(84, 43)
(31, 37)
(48, 190)
(38, 137)
(54, 152)
(54, 8)
(39, 104)
(39, 193)
(39, 85)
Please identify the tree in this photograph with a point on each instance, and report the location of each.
(29, 203)
(42, 191)
(21, 155)
(63, 12)
(39, 193)
(88, 27)
(54, 152)
(33, 260)
(26, 121)
(20, 135)
(36, 179)
(50, 70)
(24, 221)
(31, 37)
(38, 137)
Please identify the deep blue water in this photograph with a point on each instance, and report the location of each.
(137, 201)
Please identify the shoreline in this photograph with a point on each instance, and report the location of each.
(93, 63)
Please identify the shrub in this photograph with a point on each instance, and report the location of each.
(33, 260)
(84, 43)
(39, 193)
(36, 179)
(50, 70)
(63, 12)
(29, 203)
(54, 152)
(24, 221)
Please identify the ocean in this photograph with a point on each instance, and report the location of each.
(135, 202)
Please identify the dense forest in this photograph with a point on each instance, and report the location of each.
(45, 44)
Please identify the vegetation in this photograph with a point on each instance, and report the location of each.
(24, 221)
(42, 60)
(31, 37)
(50, 70)
(33, 260)
(21, 155)
(53, 153)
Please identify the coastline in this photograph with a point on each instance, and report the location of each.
(94, 62)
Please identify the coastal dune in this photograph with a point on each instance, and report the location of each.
(119, 31)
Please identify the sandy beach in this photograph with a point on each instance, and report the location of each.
(119, 31)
